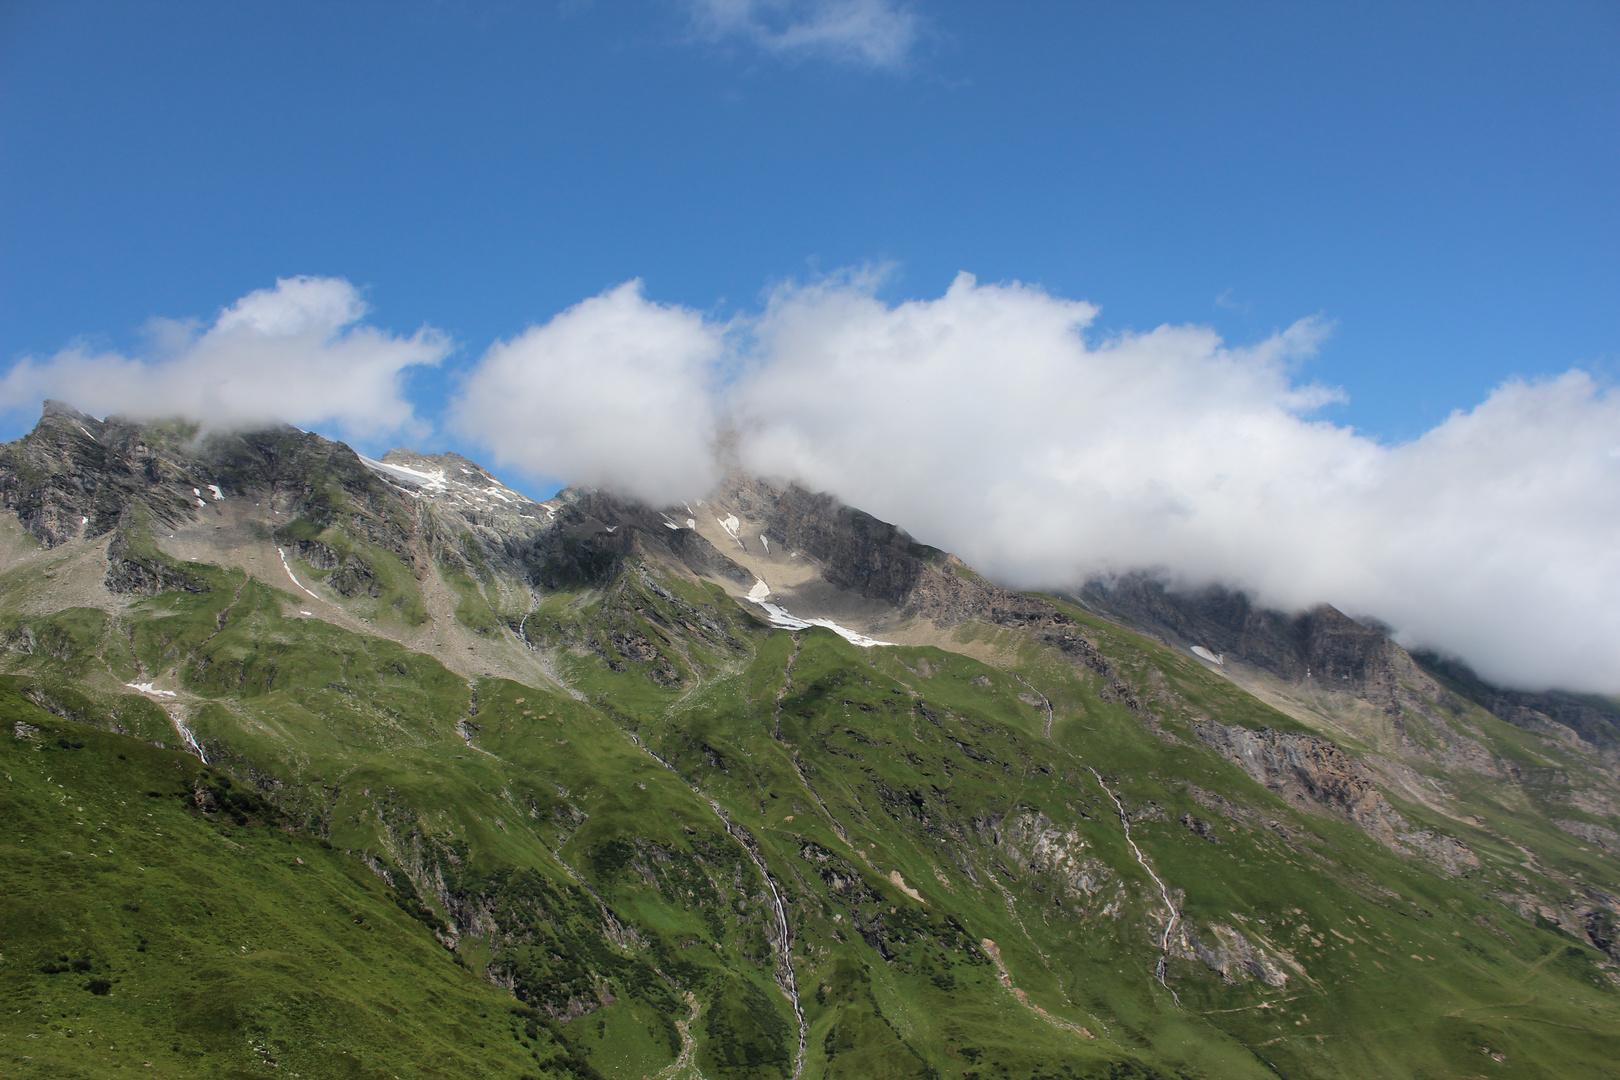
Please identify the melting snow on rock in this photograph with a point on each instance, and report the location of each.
(783, 620)
(148, 688)
(288, 567)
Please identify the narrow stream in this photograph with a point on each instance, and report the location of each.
(180, 727)
(782, 942)
(1169, 905)
(1045, 701)
(1159, 970)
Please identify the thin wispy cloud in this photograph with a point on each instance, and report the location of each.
(869, 33)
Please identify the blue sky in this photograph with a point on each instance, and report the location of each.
(1321, 301)
(1437, 179)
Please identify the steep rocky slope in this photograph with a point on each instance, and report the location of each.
(639, 773)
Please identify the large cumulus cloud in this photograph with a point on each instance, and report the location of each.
(297, 353)
(988, 423)
(616, 391)
(994, 422)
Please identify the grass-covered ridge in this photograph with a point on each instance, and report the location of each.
(158, 915)
(682, 832)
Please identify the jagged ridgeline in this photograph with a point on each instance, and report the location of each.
(322, 766)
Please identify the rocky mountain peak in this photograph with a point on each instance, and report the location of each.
(456, 483)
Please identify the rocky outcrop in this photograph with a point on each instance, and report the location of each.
(76, 477)
(348, 574)
(594, 534)
(880, 561)
(856, 550)
(133, 570)
(1593, 720)
(1607, 839)
(1313, 773)
(1033, 843)
(1226, 950)
(1322, 646)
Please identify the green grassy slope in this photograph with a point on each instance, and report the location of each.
(138, 933)
(958, 891)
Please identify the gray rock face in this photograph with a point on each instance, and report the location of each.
(1308, 772)
(1332, 651)
(75, 477)
(129, 571)
(1595, 721)
(1312, 773)
(1322, 645)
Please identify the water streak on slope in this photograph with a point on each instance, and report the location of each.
(1046, 703)
(288, 567)
(1169, 905)
(179, 722)
(782, 943)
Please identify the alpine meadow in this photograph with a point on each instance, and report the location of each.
(809, 540)
(328, 766)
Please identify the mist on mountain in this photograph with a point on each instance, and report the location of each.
(996, 422)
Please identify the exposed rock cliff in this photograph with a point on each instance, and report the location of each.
(1312, 772)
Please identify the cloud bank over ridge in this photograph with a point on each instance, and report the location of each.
(616, 392)
(987, 422)
(992, 421)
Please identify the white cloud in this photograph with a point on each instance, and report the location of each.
(986, 423)
(990, 423)
(872, 33)
(297, 353)
(614, 392)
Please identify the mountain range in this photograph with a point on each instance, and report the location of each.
(324, 766)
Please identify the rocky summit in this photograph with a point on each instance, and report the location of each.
(324, 766)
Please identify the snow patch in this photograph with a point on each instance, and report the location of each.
(766, 544)
(783, 620)
(432, 482)
(731, 525)
(1199, 650)
(219, 496)
(672, 525)
(288, 567)
(148, 688)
